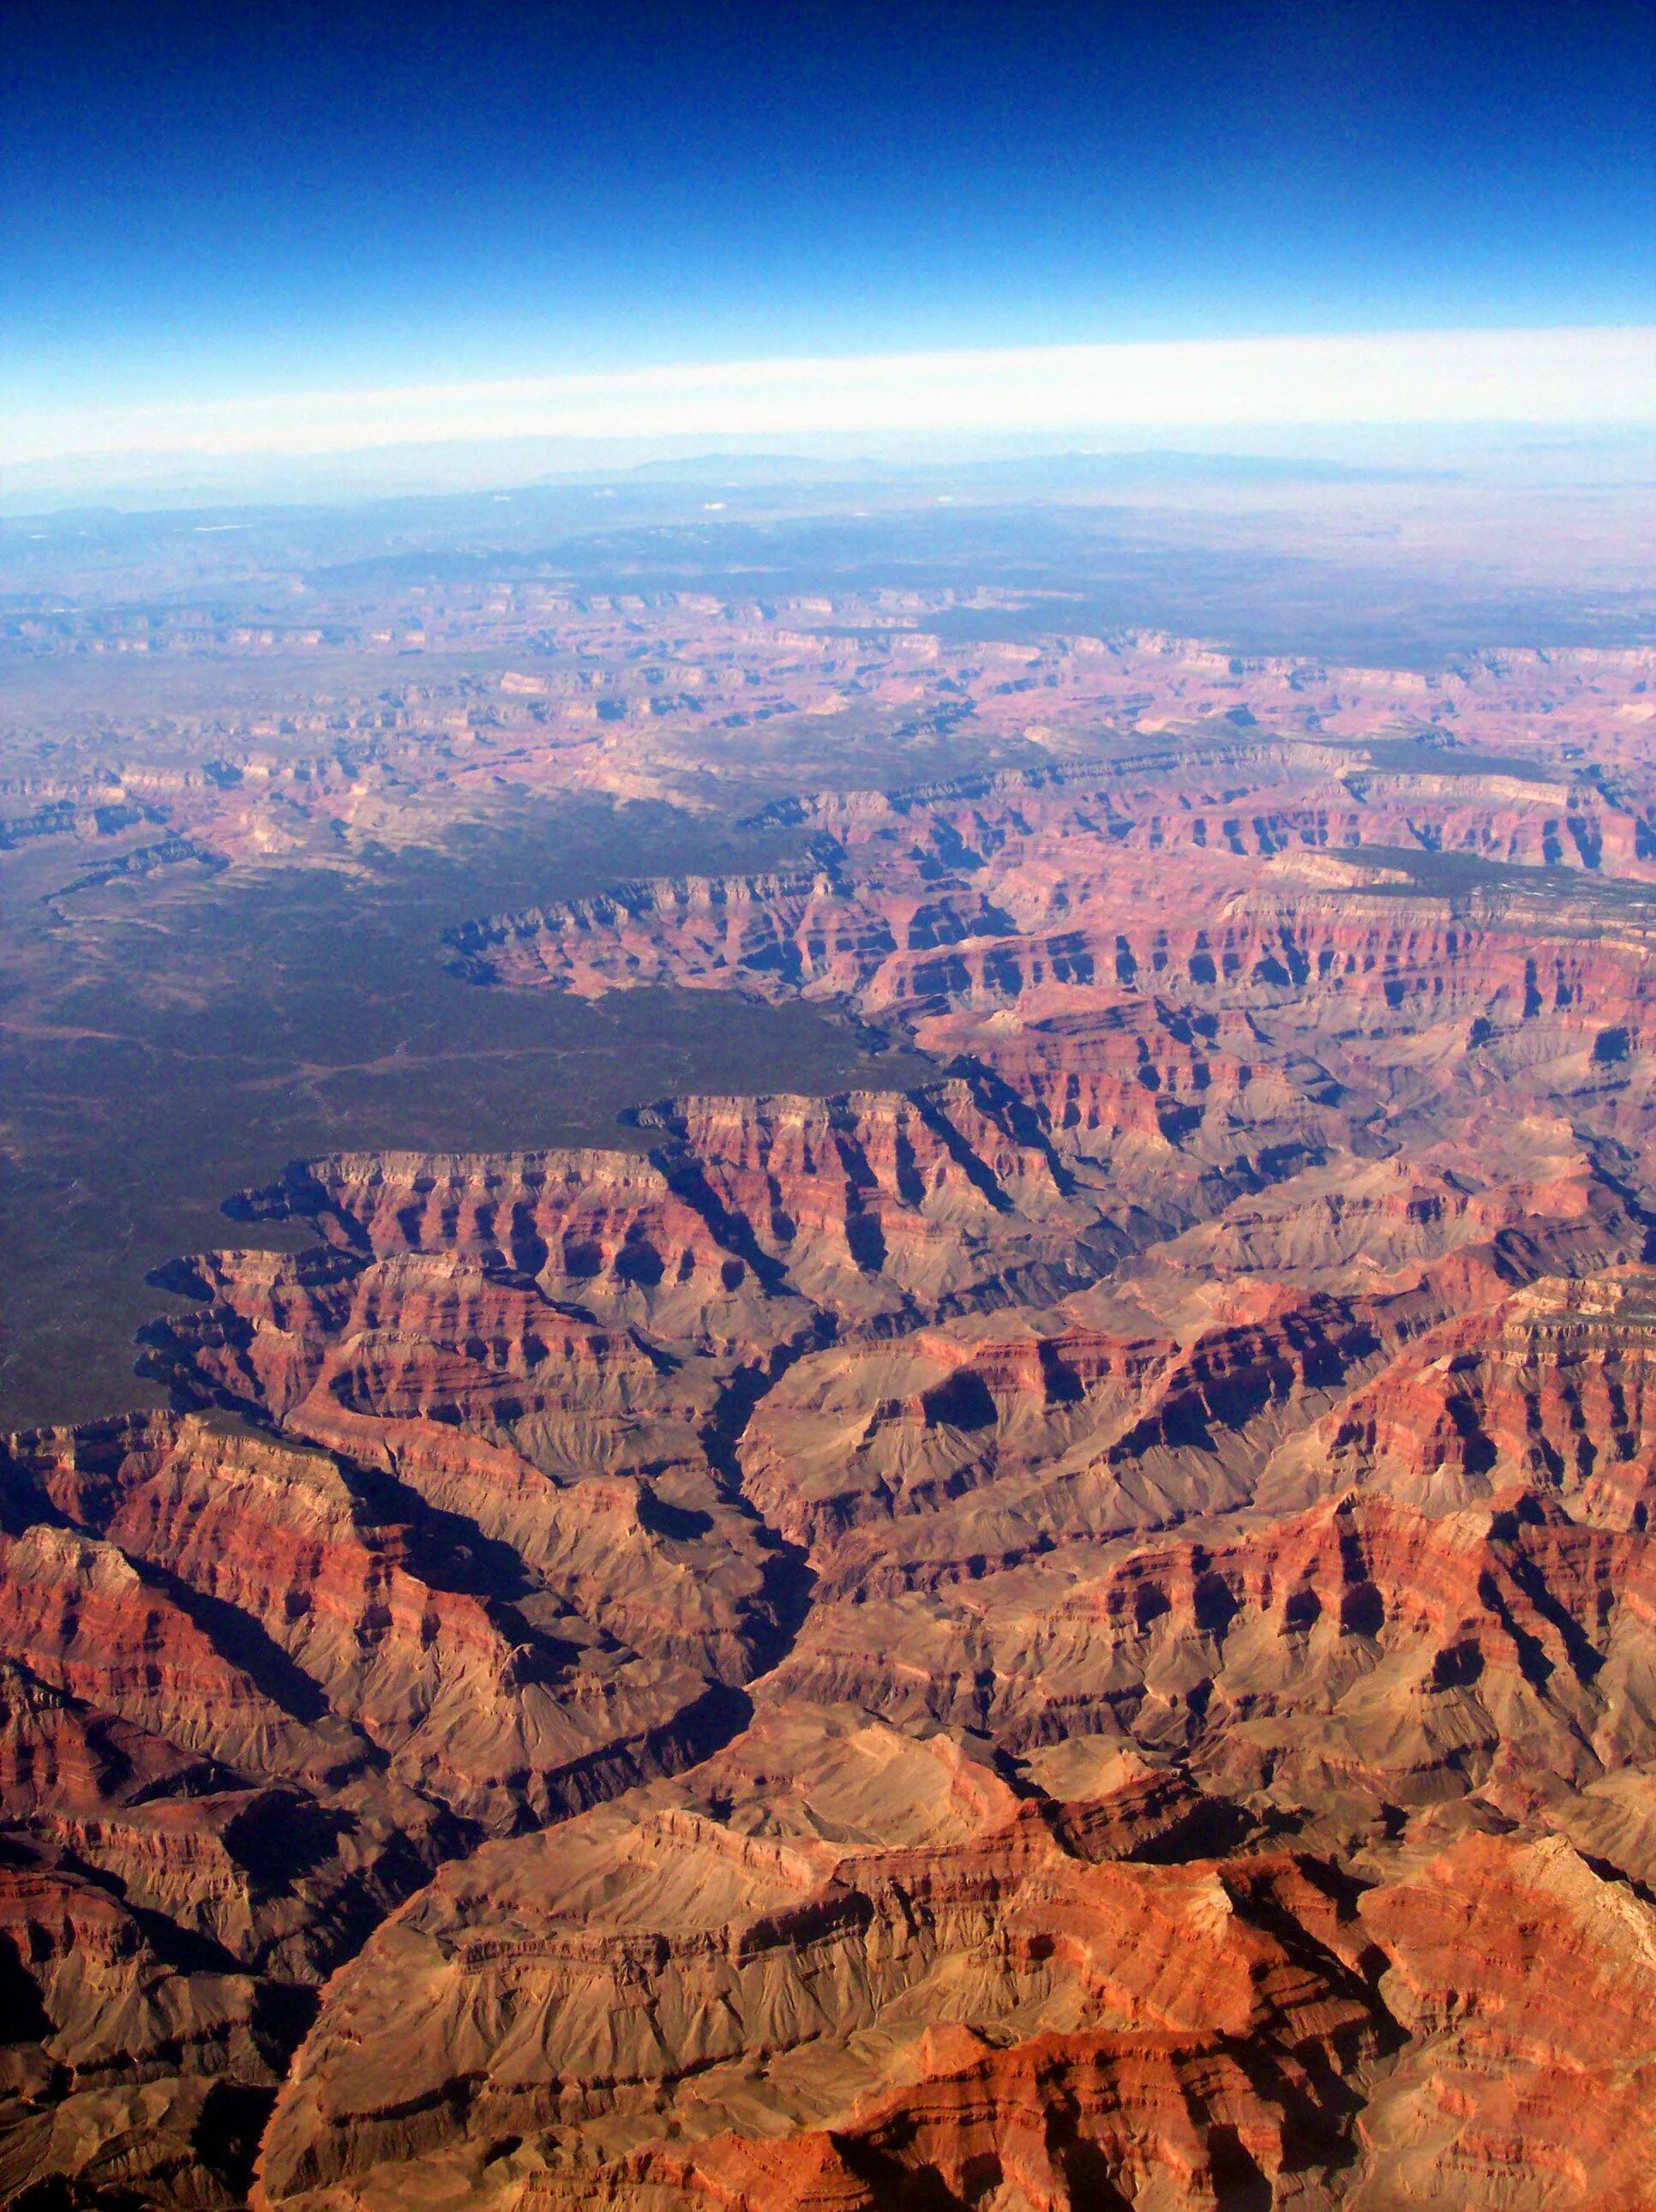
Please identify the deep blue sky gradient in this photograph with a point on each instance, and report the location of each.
(286, 195)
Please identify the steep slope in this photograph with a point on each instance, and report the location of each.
(1080, 1634)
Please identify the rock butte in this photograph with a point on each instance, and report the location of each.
(1083, 1635)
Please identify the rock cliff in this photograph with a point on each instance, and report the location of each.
(1082, 1634)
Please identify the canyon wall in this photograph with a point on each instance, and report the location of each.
(1080, 1634)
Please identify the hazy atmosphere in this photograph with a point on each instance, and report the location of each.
(828, 1108)
(302, 226)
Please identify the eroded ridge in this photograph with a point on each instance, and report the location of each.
(1079, 1634)
(371, 717)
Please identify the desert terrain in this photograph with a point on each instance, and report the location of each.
(890, 1446)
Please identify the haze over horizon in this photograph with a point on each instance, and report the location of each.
(827, 1106)
(313, 230)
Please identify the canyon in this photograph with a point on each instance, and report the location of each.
(1073, 1629)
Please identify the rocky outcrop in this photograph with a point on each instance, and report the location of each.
(1082, 1633)
(912, 2004)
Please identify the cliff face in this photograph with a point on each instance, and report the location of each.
(1080, 1635)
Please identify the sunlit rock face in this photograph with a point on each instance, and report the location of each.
(1080, 1634)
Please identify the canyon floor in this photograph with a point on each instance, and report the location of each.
(1030, 1587)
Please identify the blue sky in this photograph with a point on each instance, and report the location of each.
(206, 204)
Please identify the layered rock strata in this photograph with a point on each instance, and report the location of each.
(1083, 1634)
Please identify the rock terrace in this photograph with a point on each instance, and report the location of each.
(1082, 1634)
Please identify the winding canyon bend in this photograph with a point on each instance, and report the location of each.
(1080, 1633)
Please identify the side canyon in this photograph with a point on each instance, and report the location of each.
(1077, 1634)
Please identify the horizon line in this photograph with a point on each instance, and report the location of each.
(1573, 375)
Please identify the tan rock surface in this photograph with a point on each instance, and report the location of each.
(1080, 1634)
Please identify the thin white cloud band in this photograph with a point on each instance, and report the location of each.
(1568, 376)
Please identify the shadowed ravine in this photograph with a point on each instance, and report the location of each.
(1072, 1629)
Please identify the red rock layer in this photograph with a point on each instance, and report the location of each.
(1085, 1634)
